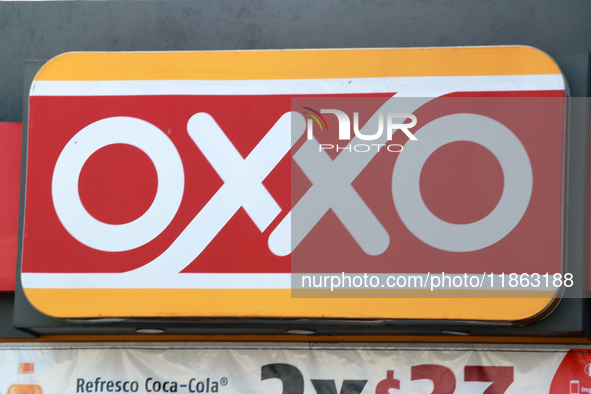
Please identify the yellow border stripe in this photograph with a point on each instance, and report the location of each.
(265, 303)
(298, 64)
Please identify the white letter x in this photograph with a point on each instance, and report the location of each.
(242, 187)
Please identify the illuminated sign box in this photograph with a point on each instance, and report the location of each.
(163, 184)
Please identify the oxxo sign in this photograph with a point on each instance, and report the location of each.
(177, 180)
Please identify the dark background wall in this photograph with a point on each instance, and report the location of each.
(41, 30)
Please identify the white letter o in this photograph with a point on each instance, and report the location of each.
(517, 173)
(117, 237)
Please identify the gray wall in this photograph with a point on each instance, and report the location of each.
(41, 30)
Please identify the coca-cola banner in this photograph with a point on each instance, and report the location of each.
(270, 369)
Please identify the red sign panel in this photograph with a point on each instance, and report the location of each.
(154, 178)
(10, 165)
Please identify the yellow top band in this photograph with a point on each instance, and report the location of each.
(298, 64)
